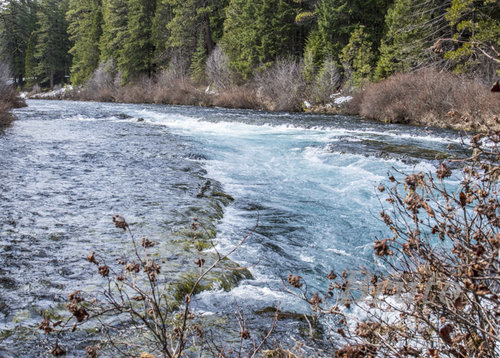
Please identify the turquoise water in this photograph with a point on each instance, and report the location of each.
(307, 181)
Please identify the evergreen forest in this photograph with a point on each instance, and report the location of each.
(337, 43)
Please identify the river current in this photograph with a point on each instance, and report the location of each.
(307, 181)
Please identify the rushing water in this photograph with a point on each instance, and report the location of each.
(308, 181)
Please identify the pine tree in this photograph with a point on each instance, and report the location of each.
(412, 28)
(30, 61)
(17, 22)
(337, 19)
(160, 33)
(85, 21)
(114, 29)
(51, 50)
(256, 33)
(476, 36)
(240, 39)
(184, 28)
(195, 23)
(314, 54)
(137, 54)
(198, 61)
(358, 59)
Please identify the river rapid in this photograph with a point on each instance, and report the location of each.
(307, 181)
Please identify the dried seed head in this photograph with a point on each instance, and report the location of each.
(386, 218)
(152, 269)
(331, 275)
(133, 267)
(45, 325)
(294, 281)
(91, 258)
(78, 311)
(57, 351)
(382, 248)
(92, 351)
(316, 300)
(75, 308)
(104, 270)
(120, 222)
(443, 171)
(75, 296)
(200, 262)
(245, 334)
(414, 180)
(147, 243)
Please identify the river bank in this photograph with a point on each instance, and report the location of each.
(9, 100)
(424, 98)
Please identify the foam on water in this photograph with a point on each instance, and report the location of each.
(287, 171)
(312, 203)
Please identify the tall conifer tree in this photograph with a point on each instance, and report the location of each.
(137, 54)
(51, 50)
(195, 28)
(17, 22)
(114, 29)
(258, 32)
(412, 28)
(85, 21)
(160, 33)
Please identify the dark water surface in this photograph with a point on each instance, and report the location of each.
(67, 167)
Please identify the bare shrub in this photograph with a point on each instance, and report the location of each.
(101, 85)
(353, 107)
(9, 97)
(438, 293)
(237, 97)
(174, 86)
(327, 82)
(138, 312)
(139, 91)
(218, 72)
(432, 98)
(4, 78)
(281, 87)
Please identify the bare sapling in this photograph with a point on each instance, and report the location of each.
(439, 292)
(136, 312)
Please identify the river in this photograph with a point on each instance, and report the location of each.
(308, 181)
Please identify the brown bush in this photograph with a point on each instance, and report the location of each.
(9, 97)
(174, 86)
(138, 91)
(102, 84)
(429, 97)
(237, 97)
